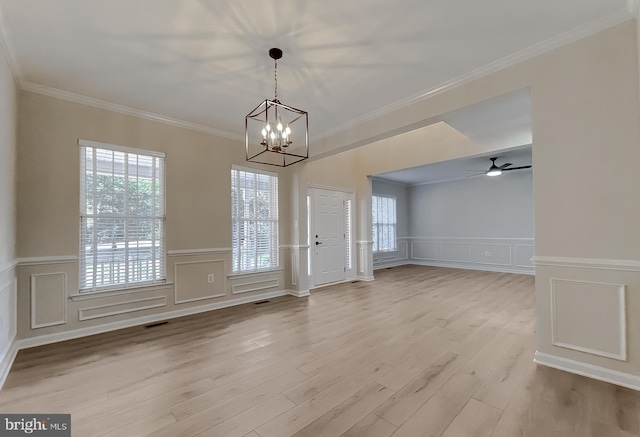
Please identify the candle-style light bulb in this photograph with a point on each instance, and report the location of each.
(279, 127)
(264, 133)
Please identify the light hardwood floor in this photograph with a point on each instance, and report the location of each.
(419, 352)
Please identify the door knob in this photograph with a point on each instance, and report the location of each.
(318, 242)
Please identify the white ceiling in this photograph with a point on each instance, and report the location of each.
(462, 168)
(503, 122)
(205, 61)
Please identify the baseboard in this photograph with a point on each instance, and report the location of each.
(588, 370)
(381, 266)
(113, 326)
(7, 361)
(365, 278)
(484, 267)
(298, 293)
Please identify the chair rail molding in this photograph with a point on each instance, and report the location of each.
(587, 263)
(44, 260)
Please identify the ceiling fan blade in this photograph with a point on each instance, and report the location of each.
(516, 168)
(503, 166)
(483, 171)
(476, 174)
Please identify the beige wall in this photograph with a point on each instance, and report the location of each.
(586, 131)
(8, 146)
(198, 217)
(198, 182)
(8, 117)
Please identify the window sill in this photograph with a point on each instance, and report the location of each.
(119, 291)
(254, 272)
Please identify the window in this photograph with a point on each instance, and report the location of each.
(384, 223)
(121, 216)
(254, 211)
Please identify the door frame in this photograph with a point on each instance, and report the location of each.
(350, 270)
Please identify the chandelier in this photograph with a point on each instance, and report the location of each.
(276, 134)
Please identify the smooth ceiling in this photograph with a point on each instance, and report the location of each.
(206, 62)
(462, 168)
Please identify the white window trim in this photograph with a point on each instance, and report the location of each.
(118, 148)
(253, 170)
(134, 286)
(395, 224)
(271, 269)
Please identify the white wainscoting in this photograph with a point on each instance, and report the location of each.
(7, 316)
(254, 282)
(393, 258)
(114, 309)
(493, 254)
(424, 250)
(456, 252)
(589, 370)
(524, 254)
(511, 255)
(295, 265)
(143, 320)
(582, 317)
(403, 249)
(48, 299)
(251, 286)
(191, 280)
(589, 317)
(364, 249)
(8, 321)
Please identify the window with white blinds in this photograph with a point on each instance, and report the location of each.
(254, 211)
(384, 223)
(122, 214)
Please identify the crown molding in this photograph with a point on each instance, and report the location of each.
(126, 110)
(6, 42)
(631, 11)
(540, 48)
(387, 181)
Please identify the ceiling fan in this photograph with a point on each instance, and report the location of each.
(496, 170)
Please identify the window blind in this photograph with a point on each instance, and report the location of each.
(384, 223)
(122, 215)
(254, 210)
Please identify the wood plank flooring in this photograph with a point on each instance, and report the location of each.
(421, 351)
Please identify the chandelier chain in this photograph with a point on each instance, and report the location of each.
(275, 78)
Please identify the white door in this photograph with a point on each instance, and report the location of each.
(328, 236)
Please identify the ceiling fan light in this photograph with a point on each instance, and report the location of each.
(494, 172)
